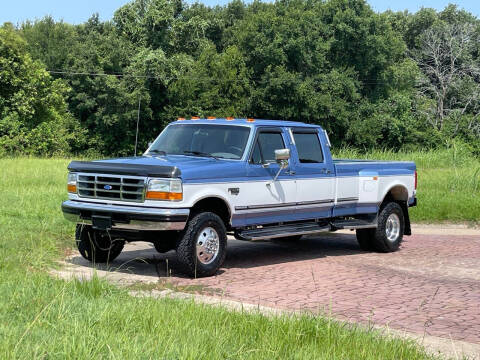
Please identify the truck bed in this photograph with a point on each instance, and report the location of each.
(373, 167)
(362, 184)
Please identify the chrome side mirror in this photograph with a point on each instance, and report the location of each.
(282, 155)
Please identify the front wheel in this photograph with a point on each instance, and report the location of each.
(388, 235)
(203, 247)
(97, 246)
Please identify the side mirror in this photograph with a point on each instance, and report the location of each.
(282, 155)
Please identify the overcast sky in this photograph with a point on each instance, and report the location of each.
(76, 12)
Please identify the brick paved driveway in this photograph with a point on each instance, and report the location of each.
(431, 286)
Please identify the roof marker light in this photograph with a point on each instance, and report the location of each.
(250, 120)
(180, 119)
(211, 118)
(229, 118)
(195, 118)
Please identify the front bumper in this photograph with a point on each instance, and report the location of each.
(126, 217)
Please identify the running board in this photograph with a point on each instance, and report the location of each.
(279, 231)
(354, 224)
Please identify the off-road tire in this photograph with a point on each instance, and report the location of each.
(97, 246)
(186, 245)
(166, 242)
(376, 239)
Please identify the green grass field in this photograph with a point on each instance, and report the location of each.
(41, 317)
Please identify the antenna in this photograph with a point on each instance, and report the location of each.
(138, 121)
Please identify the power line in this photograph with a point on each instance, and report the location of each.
(150, 77)
(58, 72)
(119, 75)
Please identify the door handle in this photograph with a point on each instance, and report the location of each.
(290, 172)
(325, 171)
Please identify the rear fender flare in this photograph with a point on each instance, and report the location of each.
(398, 192)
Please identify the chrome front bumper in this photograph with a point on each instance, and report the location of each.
(126, 217)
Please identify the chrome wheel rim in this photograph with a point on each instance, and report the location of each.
(208, 245)
(392, 227)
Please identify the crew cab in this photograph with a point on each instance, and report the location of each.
(203, 179)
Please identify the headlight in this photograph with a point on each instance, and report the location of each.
(163, 189)
(72, 183)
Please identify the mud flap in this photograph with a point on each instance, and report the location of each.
(408, 228)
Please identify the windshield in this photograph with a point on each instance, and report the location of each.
(219, 141)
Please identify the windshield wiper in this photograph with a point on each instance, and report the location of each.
(199, 153)
(156, 151)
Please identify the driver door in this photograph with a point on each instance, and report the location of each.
(267, 201)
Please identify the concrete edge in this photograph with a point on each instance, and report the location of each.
(446, 229)
(438, 229)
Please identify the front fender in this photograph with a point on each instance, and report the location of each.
(193, 193)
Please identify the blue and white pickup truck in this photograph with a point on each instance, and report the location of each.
(203, 179)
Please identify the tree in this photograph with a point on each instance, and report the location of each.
(213, 85)
(147, 22)
(391, 79)
(49, 41)
(33, 113)
(445, 57)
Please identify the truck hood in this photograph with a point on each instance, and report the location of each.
(170, 166)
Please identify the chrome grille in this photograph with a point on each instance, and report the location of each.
(111, 187)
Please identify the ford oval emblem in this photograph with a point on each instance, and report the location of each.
(108, 187)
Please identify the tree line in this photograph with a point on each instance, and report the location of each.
(394, 80)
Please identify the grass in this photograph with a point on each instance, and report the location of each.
(41, 317)
(45, 318)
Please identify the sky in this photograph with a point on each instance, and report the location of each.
(75, 12)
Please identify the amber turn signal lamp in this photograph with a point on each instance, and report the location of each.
(72, 188)
(160, 195)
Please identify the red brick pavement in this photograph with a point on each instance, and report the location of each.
(431, 286)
